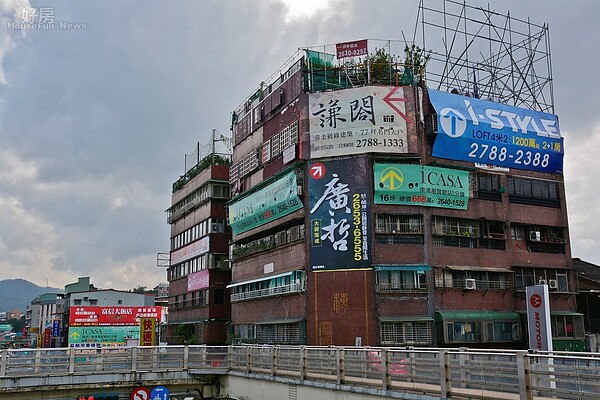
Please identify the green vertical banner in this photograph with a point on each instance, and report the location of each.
(418, 185)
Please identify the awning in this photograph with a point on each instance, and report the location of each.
(476, 316)
(416, 318)
(575, 314)
(403, 267)
(478, 268)
(280, 321)
(261, 279)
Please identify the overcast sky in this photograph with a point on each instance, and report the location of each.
(95, 117)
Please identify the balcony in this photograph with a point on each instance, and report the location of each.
(268, 292)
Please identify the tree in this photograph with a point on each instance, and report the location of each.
(415, 61)
(381, 64)
(17, 324)
(139, 289)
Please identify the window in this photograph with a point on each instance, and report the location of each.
(406, 333)
(516, 232)
(119, 302)
(219, 296)
(399, 229)
(503, 331)
(488, 187)
(556, 279)
(268, 242)
(401, 281)
(280, 141)
(462, 332)
(397, 223)
(293, 282)
(567, 326)
(244, 332)
(468, 233)
(194, 199)
(532, 191)
(77, 302)
(473, 280)
(279, 333)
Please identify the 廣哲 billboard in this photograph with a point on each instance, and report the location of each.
(339, 193)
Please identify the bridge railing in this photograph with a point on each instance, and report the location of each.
(471, 373)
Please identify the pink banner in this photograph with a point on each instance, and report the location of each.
(198, 280)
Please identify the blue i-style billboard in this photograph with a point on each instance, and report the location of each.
(339, 193)
(486, 132)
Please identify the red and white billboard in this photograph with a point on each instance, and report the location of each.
(111, 316)
(538, 317)
(351, 49)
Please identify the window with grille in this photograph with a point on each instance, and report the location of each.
(556, 279)
(278, 333)
(295, 282)
(398, 223)
(401, 281)
(488, 186)
(399, 229)
(532, 192)
(266, 151)
(283, 139)
(406, 333)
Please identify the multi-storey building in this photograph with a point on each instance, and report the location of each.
(41, 314)
(369, 210)
(198, 271)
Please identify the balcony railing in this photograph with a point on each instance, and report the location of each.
(470, 284)
(268, 292)
(401, 288)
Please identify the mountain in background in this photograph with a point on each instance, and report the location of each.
(16, 294)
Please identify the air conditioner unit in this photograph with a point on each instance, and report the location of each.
(542, 282)
(553, 284)
(470, 284)
(431, 124)
(535, 236)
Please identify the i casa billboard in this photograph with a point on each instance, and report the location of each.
(111, 316)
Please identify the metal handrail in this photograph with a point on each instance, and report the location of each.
(473, 373)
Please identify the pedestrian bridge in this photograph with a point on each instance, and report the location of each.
(299, 372)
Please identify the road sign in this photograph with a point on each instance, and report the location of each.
(159, 393)
(140, 393)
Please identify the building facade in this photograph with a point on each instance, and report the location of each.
(41, 315)
(369, 210)
(198, 271)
